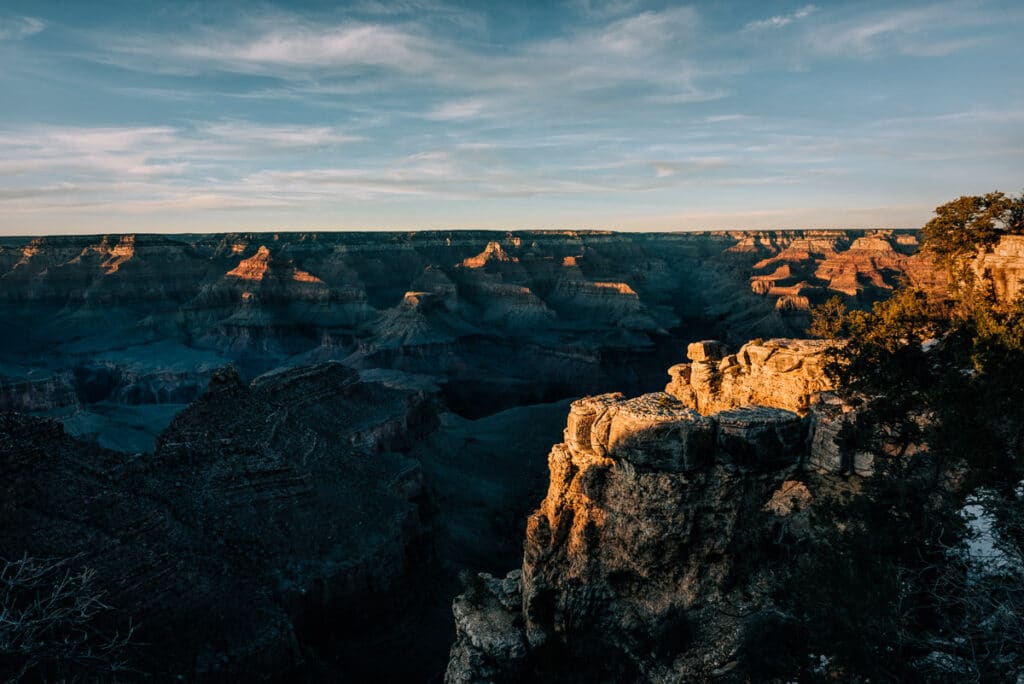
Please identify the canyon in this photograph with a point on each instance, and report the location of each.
(113, 335)
(284, 455)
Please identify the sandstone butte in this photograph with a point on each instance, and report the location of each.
(653, 502)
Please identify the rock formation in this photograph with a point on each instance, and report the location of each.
(524, 317)
(1004, 266)
(821, 264)
(650, 546)
(493, 252)
(784, 373)
(271, 517)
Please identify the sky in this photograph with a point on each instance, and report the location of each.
(419, 114)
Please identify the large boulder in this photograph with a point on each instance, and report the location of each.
(706, 351)
(759, 437)
(655, 431)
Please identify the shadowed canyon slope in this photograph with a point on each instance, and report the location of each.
(269, 512)
(113, 335)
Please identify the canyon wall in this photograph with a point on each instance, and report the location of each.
(97, 326)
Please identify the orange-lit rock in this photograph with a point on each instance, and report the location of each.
(492, 253)
(1004, 265)
(808, 269)
(253, 268)
(620, 288)
(27, 252)
(120, 253)
(792, 497)
(304, 277)
(113, 255)
(781, 373)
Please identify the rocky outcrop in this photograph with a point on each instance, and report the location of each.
(601, 303)
(826, 453)
(493, 252)
(1003, 267)
(651, 548)
(783, 373)
(422, 318)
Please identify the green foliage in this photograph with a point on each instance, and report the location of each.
(828, 321)
(940, 380)
(863, 592)
(884, 349)
(969, 223)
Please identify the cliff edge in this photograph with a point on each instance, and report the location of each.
(647, 560)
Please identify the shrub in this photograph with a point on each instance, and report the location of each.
(52, 624)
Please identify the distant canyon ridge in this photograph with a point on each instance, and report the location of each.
(114, 335)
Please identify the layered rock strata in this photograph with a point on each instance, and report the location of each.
(1003, 267)
(784, 373)
(816, 265)
(523, 317)
(644, 557)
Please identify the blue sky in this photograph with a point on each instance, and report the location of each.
(416, 114)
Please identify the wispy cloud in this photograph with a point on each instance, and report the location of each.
(780, 20)
(933, 30)
(153, 150)
(665, 169)
(429, 107)
(466, 108)
(249, 135)
(299, 45)
(13, 28)
(276, 44)
(646, 50)
(724, 118)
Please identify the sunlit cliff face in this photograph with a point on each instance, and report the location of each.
(304, 277)
(253, 268)
(119, 253)
(414, 298)
(116, 254)
(29, 251)
(493, 252)
(257, 266)
(621, 288)
(811, 268)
